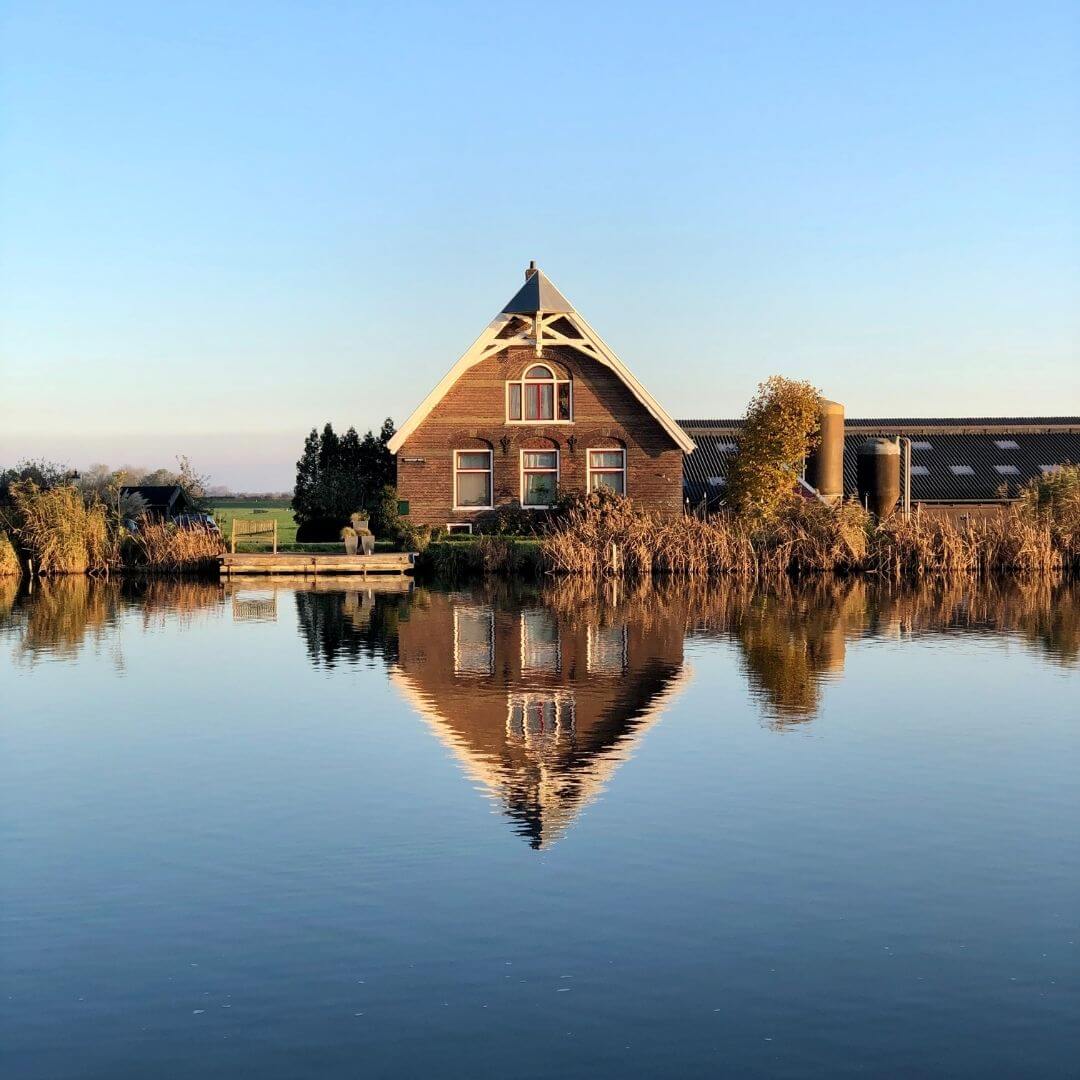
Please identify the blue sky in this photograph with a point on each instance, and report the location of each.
(222, 224)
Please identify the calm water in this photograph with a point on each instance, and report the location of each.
(258, 831)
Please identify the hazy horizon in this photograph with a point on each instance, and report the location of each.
(221, 227)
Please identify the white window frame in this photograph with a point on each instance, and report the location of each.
(563, 706)
(522, 470)
(523, 639)
(487, 614)
(589, 470)
(555, 383)
(592, 649)
(459, 526)
(491, 479)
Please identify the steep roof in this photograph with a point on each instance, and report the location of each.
(537, 294)
(551, 314)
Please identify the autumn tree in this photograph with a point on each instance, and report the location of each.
(780, 430)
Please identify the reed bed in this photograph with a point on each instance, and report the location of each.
(608, 537)
(9, 561)
(58, 532)
(162, 547)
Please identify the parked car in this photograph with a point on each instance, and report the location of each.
(200, 522)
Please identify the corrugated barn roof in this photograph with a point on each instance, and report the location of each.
(981, 459)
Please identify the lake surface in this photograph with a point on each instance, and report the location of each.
(263, 831)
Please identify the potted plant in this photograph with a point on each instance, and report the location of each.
(348, 534)
(364, 535)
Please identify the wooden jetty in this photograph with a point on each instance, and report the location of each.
(305, 564)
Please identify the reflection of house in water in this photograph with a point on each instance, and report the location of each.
(540, 706)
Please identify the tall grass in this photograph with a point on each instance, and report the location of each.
(608, 536)
(162, 547)
(9, 561)
(58, 532)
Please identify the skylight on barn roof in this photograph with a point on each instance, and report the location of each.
(1007, 470)
(717, 481)
(961, 470)
(1006, 444)
(1046, 470)
(921, 445)
(919, 470)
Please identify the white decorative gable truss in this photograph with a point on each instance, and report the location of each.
(538, 316)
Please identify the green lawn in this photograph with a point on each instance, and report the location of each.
(267, 510)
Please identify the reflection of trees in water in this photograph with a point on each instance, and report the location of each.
(351, 625)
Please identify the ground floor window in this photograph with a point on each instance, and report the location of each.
(540, 647)
(459, 528)
(474, 641)
(472, 479)
(539, 477)
(607, 469)
(606, 650)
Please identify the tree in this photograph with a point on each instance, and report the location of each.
(307, 479)
(780, 430)
(46, 474)
(192, 484)
(339, 475)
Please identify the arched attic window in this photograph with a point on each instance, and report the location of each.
(539, 397)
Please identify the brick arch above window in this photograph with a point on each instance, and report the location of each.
(537, 442)
(469, 439)
(601, 438)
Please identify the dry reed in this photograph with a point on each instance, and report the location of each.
(9, 561)
(607, 536)
(163, 547)
(58, 532)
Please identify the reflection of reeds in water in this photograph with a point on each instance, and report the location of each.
(1044, 611)
(179, 599)
(9, 589)
(59, 615)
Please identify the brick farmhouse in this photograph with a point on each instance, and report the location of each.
(538, 407)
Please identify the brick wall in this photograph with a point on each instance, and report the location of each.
(472, 416)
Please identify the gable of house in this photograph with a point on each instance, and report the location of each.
(539, 405)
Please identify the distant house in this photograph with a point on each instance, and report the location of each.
(162, 500)
(973, 461)
(537, 407)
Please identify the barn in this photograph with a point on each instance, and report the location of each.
(539, 406)
(961, 463)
